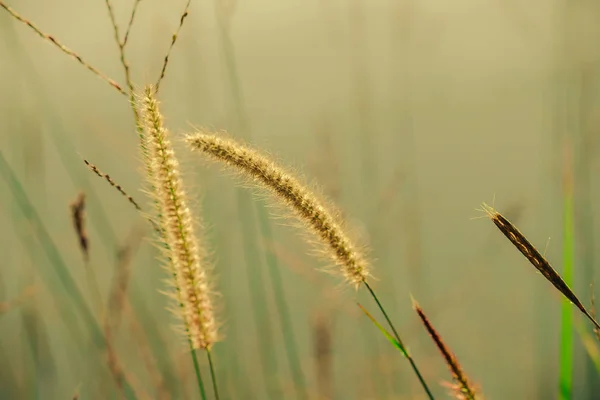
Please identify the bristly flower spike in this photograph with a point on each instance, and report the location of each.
(310, 211)
(186, 258)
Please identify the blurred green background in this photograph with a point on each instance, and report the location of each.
(407, 114)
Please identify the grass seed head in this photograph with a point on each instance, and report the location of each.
(461, 388)
(535, 258)
(311, 212)
(187, 260)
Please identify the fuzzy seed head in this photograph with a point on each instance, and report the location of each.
(288, 190)
(186, 258)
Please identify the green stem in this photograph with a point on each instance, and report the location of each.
(212, 374)
(397, 336)
(197, 370)
(566, 336)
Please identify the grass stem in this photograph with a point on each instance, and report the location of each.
(197, 370)
(397, 337)
(213, 376)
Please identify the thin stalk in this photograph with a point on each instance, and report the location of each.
(566, 336)
(62, 47)
(213, 376)
(197, 370)
(397, 336)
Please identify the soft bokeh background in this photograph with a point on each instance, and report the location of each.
(407, 114)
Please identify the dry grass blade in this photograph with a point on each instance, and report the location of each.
(535, 258)
(78, 216)
(62, 47)
(173, 40)
(463, 388)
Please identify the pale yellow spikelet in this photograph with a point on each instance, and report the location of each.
(286, 188)
(185, 256)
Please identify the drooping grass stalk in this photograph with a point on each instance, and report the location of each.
(308, 209)
(463, 389)
(185, 257)
(62, 47)
(535, 258)
(58, 264)
(566, 335)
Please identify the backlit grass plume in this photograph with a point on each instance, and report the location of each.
(290, 191)
(535, 258)
(185, 256)
(462, 388)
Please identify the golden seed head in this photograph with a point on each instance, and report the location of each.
(186, 258)
(287, 189)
